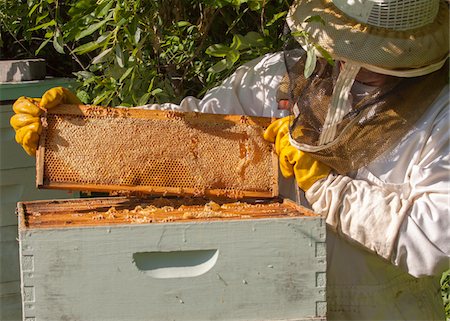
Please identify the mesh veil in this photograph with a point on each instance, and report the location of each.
(370, 127)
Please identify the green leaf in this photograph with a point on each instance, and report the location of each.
(126, 74)
(239, 43)
(84, 96)
(44, 25)
(143, 100)
(191, 29)
(81, 4)
(105, 9)
(87, 47)
(40, 18)
(156, 91)
(33, 9)
(119, 56)
(43, 44)
(311, 61)
(181, 24)
(48, 34)
(101, 97)
(156, 42)
(325, 54)
(217, 50)
(255, 5)
(58, 42)
(219, 66)
(101, 57)
(103, 37)
(90, 30)
(91, 80)
(133, 77)
(254, 39)
(84, 74)
(299, 34)
(122, 22)
(150, 86)
(232, 57)
(315, 18)
(137, 36)
(276, 17)
(95, 68)
(226, 63)
(116, 13)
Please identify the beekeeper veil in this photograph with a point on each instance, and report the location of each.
(347, 124)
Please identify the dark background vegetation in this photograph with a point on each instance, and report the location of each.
(133, 52)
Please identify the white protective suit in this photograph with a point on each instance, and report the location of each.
(399, 203)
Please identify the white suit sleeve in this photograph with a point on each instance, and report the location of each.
(423, 245)
(410, 227)
(250, 90)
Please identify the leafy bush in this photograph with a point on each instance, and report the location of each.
(445, 287)
(133, 52)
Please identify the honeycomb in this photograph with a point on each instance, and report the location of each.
(157, 152)
(119, 210)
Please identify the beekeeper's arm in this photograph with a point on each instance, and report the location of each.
(409, 226)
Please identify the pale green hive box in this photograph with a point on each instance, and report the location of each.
(17, 183)
(77, 265)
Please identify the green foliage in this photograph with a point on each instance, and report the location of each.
(311, 47)
(133, 52)
(445, 287)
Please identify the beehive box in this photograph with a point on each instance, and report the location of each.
(17, 179)
(255, 260)
(217, 249)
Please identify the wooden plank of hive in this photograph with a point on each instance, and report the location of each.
(121, 210)
(156, 152)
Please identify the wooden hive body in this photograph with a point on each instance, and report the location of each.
(267, 263)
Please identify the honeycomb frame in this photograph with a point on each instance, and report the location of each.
(132, 150)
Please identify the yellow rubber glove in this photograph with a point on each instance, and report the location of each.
(56, 96)
(26, 120)
(292, 161)
(306, 169)
(276, 131)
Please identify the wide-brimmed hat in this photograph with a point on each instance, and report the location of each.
(394, 37)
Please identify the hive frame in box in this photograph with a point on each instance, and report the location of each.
(245, 132)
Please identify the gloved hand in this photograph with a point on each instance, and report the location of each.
(275, 133)
(294, 162)
(26, 120)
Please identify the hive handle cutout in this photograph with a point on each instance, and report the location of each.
(175, 264)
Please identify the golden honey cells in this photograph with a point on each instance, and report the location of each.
(180, 154)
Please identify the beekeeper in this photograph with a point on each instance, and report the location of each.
(367, 141)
